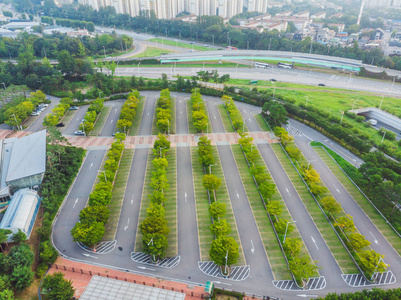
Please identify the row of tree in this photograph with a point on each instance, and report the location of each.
(74, 24)
(369, 260)
(92, 219)
(224, 250)
(154, 227)
(58, 112)
(199, 112)
(371, 294)
(128, 111)
(163, 112)
(234, 114)
(207, 76)
(15, 113)
(91, 115)
(299, 265)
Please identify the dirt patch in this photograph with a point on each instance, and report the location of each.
(226, 297)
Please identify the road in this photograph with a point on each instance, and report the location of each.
(110, 124)
(181, 116)
(148, 113)
(214, 115)
(38, 123)
(76, 120)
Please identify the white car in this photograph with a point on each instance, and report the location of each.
(79, 132)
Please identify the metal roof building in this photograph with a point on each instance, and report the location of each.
(22, 211)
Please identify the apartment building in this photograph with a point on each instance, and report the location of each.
(383, 3)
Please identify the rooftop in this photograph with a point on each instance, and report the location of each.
(28, 156)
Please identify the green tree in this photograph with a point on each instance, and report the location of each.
(302, 268)
(161, 145)
(88, 234)
(292, 247)
(155, 245)
(153, 225)
(311, 175)
(220, 228)
(275, 113)
(331, 205)
(358, 241)
(95, 213)
(217, 210)
(371, 261)
(19, 237)
(47, 253)
(346, 223)
(267, 189)
(57, 288)
(21, 277)
(222, 247)
(211, 182)
(4, 233)
(124, 124)
(282, 224)
(274, 208)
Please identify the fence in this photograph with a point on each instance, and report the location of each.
(122, 278)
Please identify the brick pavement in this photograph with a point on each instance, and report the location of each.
(80, 274)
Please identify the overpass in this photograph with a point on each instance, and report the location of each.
(283, 56)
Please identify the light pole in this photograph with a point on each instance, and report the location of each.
(179, 34)
(383, 136)
(139, 70)
(4, 85)
(353, 104)
(213, 39)
(99, 94)
(16, 123)
(310, 73)
(151, 242)
(307, 98)
(228, 33)
(160, 150)
(286, 228)
(104, 49)
(342, 116)
(117, 67)
(392, 85)
(236, 71)
(247, 45)
(210, 168)
(104, 172)
(225, 268)
(380, 259)
(349, 81)
(274, 91)
(196, 36)
(270, 43)
(381, 102)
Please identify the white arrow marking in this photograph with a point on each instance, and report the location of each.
(250, 121)
(111, 122)
(115, 109)
(219, 282)
(288, 192)
(179, 101)
(374, 239)
(88, 255)
(181, 111)
(237, 194)
(126, 226)
(304, 296)
(185, 196)
(148, 114)
(337, 189)
(91, 165)
(132, 201)
(313, 240)
(252, 248)
(75, 203)
(215, 117)
(144, 268)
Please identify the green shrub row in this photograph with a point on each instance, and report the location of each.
(163, 111)
(234, 113)
(199, 115)
(222, 244)
(57, 112)
(154, 227)
(368, 260)
(128, 111)
(91, 115)
(92, 219)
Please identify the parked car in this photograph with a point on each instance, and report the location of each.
(192, 43)
(34, 113)
(272, 79)
(74, 108)
(321, 84)
(49, 99)
(83, 120)
(79, 132)
(60, 125)
(191, 50)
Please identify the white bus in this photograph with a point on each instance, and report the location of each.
(285, 65)
(261, 65)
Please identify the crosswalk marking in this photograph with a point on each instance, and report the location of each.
(237, 273)
(357, 280)
(168, 262)
(100, 248)
(313, 284)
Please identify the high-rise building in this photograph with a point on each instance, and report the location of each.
(256, 5)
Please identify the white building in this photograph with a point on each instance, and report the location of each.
(257, 5)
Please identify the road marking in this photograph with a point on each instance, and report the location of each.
(126, 226)
(148, 114)
(88, 255)
(374, 239)
(132, 200)
(313, 240)
(115, 109)
(91, 165)
(179, 101)
(337, 189)
(237, 194)
(304, 296)
(252, 248)
(185, 196)
(215, 117)
(75, 203)
(288, 192)
(250, 121)
(181, 111)
(144, 268)
(219, 282)
(111, 122)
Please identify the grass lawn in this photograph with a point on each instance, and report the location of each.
(97, 129)
(340, 254)
(225, 119)
(118, 192)
(170, 205)
(261, 122)
(151, 52)
(274, 254)
(156, 130)
(179, 44)
(359, 198)
(136, 123)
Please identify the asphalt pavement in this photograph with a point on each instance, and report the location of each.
(148, 112)
(38, 123)
(111, 121)
(181, 116)
(214, 115)
(76, 120)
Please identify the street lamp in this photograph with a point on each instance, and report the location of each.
(274, 91)
(381, 102)
(99, 94)
(383, 136)
(104, 172)
(380, 259)
(104, 49)
(160, 150)
(353, 104)
(213, 39)
(391, 89)
(286, 228)
(225, 268)
(151, 242)
(139, 71)
(162, 43)
(247, 45)
(210, 168)
(307, 98)
(16, 123)
(4, 85)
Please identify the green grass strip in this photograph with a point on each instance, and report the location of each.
(178, 44)
(225, 119)
(136, 123)
(261, 122)
(275, 256)
(360, 199)
(151, 52)
(170, 205)
(337, 249)
(97, 129)
(117, 197)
